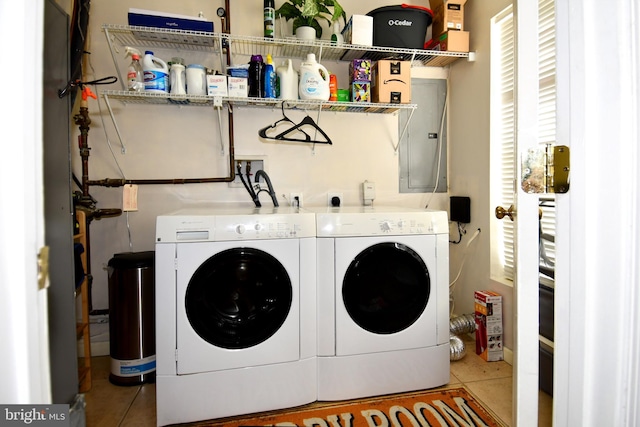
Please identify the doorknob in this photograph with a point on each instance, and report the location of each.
(502, 212)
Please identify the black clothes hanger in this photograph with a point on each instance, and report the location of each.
(297, 127)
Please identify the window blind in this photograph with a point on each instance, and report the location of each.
(504, 67)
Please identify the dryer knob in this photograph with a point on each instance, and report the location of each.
(240, 229)
(258, 227)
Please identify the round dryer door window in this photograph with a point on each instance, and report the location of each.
(238, 298)
(386, 288)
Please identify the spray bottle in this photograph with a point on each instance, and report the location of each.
(135, 75)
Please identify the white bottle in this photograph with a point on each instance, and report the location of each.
(288, 78)
(135, 75)
(156, 73)
(314, 80)
(337, 37)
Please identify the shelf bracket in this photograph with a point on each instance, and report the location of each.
(217, 104)
(404, 130)
(123, 148)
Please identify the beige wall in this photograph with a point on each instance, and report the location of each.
(469, 148)
(172, 141)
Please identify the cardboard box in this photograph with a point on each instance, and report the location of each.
(450, 41)
(171, 21)
(216, 85)
(360, 70)
(391, 81)
(359, 30)
(447, 15)
(360, 91)
(488, 316)
(238, 87)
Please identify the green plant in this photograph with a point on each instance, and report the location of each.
(310, 12)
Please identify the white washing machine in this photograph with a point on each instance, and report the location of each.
(383, 301)
(235, 312)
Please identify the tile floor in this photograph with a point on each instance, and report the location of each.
(115, 406)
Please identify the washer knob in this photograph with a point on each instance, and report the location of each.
(240, 229)
(257, 227)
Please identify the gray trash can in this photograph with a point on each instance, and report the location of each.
(132, 318)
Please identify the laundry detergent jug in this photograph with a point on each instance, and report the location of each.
(314, 80)
(156, 73)
(287, 81)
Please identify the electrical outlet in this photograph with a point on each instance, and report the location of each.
(295, 199)
(256, 163)
(334, 199)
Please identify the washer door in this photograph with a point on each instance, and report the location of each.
(237, 304)
(386, 288)
(385, 300)
(238, 298)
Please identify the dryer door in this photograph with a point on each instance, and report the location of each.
(238, 298)
(385, 298)
(237, 304)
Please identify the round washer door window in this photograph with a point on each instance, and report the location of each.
(238, 298)
(386, 288)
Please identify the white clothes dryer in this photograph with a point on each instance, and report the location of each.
(235, 312)
(383, 301)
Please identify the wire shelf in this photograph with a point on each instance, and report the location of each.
(211, 101)
(278, 48)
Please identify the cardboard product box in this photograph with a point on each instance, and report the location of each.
(360, 70)
(238, 87)
(447, 15)
(360, 91)
(488, 316)
(359, 30)
(450, 41)
(216, 85)
(391, 81)
(170, 21)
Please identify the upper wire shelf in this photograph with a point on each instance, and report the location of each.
(279, 47)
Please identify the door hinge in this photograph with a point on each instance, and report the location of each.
(43, 268)
(546, 170)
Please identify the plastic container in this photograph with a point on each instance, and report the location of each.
(255, 76)
(269, 85)
(269, 18)
(178, 79)
(287, 81)
(333, 87)
(314, 80)
(337, 38)
(135, 75)
(196, 76)
(403, 26)
(132, 337)
(156, 73)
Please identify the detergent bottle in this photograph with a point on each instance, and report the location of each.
(135, 74)
(156, 73)
(287, 80)
(269, 86)
(314, 80)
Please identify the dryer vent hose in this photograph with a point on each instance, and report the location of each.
(459, 325)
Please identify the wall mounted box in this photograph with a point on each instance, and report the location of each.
(447, 15)
(460, 209)
(391, 81)
(450, 41)
(488, 316)
(359, 30)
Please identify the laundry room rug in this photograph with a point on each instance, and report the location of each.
(450, 407)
